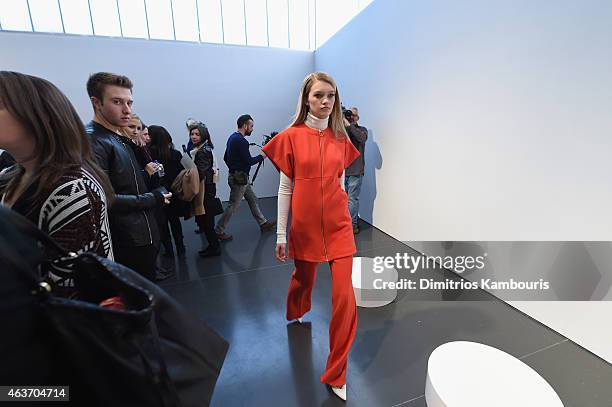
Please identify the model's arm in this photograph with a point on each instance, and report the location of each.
(342, 180)
(285, 191)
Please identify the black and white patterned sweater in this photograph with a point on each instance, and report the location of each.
(74, 213)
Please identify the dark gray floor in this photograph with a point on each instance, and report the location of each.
(271, 363)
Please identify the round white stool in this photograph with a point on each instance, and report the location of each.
(364, 283)
(469, 374)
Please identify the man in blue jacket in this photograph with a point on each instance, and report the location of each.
(239, 161)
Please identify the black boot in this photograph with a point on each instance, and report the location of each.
(178, 242)
(163, 274)
(210, 252)
(177, 236)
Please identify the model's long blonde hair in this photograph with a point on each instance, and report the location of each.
(335, 118)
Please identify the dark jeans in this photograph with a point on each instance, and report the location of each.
(206, 222)
(352, 185)
(168, 215)
(141, 259)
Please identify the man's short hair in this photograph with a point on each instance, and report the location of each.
(97, 82)
(242, 120)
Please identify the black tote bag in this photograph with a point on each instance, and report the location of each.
(153, 353)
(214, 205)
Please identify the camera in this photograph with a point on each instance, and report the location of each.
(348, 113)
(268, 138)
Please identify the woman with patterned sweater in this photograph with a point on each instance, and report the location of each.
(55, 182)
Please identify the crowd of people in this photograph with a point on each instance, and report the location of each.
(109, 187)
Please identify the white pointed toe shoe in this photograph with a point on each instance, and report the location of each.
(300, 319)
(340, 391)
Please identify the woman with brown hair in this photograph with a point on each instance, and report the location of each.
(163, 151)
(204, 202)
(311, 156)
(55, 182)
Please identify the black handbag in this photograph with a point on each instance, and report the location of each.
(216, 207)
(152, 353)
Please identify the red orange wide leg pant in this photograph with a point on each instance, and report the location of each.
(344, 311)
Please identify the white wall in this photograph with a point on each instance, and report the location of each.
(490, 120)
(174, 81)
(494, 118)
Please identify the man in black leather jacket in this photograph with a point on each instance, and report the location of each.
(132, 221)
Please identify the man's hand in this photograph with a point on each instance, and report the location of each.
(151, 168)
(167, 198)
(346, 122)
(281, 251)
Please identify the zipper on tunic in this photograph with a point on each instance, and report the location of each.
(138, 192)
(322, 223)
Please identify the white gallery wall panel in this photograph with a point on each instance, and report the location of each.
(490, 120)
(174, 81)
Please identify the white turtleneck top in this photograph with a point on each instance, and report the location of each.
(285, 186)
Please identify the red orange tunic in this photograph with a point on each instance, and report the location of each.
(321, 227)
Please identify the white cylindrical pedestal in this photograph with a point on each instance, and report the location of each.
(469, 374)
(365, 281)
